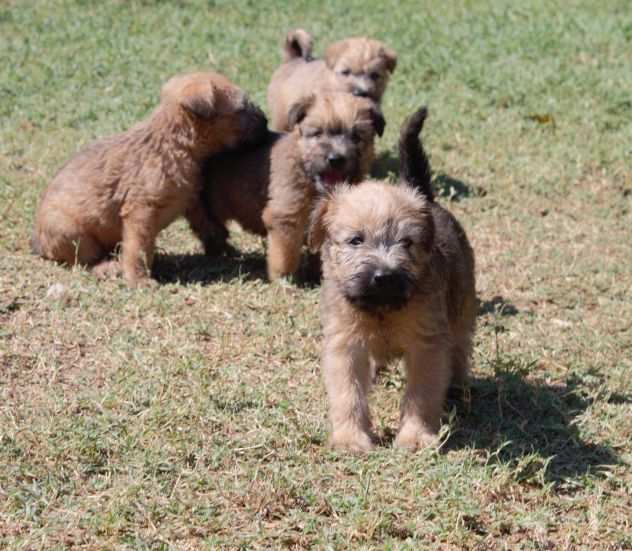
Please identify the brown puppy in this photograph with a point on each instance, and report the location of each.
(271, 189)
(128, 187)
(360, 66)
(398, 281)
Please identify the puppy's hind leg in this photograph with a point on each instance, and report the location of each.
(212, 234)
(58, 237)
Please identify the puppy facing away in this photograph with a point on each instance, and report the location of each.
(128, 187)
(270, 190)
(398, 282)
(360, 66)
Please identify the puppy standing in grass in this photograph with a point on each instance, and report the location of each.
(398, 281)
(360, 66)
(271, 189)
(128, 187)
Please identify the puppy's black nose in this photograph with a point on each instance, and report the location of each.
(360, 93)
(387, 281)
(336, 160)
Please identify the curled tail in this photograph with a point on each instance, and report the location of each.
(414, 167)
(298, 43)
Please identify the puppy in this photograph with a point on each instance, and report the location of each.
(398, 281)
(360, 66)
(128, 187)
(271, 189)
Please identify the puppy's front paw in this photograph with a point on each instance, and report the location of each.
(352, 440)
(414, 436)
(107, 269)
(142, 283)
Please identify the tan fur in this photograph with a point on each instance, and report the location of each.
(127, 188)
(271, 189)
(376, 226)
(369, 62)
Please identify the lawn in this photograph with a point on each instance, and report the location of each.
(192, 416)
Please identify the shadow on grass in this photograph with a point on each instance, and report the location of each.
(187, 269)
(530, 426)
(386, 165)
(497, 305)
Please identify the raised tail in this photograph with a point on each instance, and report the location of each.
(298, 43)
(414, 167)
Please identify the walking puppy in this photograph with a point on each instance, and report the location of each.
(360, 66)
(128, 187)
(271, 189)
(398, 281)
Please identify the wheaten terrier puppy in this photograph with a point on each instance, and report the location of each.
(398, 281)
(360, 66)
(270, 190)
(128, 187)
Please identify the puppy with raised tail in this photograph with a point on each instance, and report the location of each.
(359, 66)
(398, 282)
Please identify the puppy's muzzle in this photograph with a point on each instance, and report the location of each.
(383, 289)
(360, 92)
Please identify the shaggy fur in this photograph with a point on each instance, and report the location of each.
(360, 66)
(128, 187)
(398, 281)
(270, 190)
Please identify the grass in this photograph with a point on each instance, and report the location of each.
(193, 416)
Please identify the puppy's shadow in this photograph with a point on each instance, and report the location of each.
(530, 426)
(386, 166)
(497, 305)
(187, 269)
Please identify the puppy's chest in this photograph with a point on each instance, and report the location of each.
(383, 341)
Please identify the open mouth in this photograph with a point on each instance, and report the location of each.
(328, 179)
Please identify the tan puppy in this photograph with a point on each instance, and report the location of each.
(360, 66)
(128, 187)
(271, 189)
(398, 281)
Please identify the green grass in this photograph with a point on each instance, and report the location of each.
(193, 416)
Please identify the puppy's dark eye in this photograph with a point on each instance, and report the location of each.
(374, 76)
(356, 137)
(313, 133)
(345, 72)
(406, 242)
(356, 240)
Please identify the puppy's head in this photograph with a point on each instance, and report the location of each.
(336, 133)
(221, 114)
(376, 241)
(361, 66)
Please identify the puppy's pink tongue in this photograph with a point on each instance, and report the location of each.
(332, 177)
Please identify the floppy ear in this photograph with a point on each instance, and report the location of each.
(298, 111)
(390, 57)
(378, 120)
(317, 230)
(199, 100)
(334, 51)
